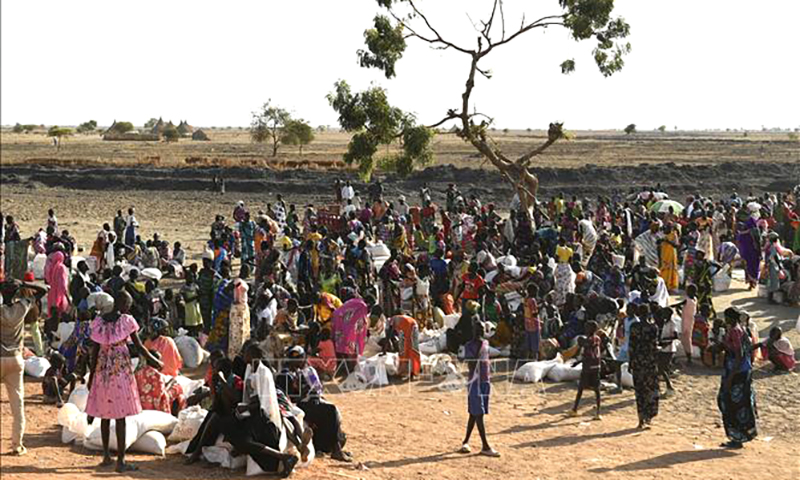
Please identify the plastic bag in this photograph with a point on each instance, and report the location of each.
(222, 456)
(79, 396)
(151, 442)
(38, 266)
(178, 448)
(94, 440)
(534, 372)
(722, 280)
(154, 420)
(192, 353)
(372, 371)
(188, 385)
(564, 373)
(627, 378)
(62, 333)
(797, 327)
(189, 422)
(36, 367)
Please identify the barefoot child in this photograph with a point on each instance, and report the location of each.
(590, 374)
(476, 353)
(56, 380)
(113, 394)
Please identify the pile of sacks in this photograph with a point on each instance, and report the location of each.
(146, 432)
(557, 370)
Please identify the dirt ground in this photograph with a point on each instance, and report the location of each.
(410, 432)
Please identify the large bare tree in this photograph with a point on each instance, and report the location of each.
(373, 121)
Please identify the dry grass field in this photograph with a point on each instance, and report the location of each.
(233, 148)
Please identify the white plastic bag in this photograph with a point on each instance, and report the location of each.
(222, 456)
(178, 448)
(722, 280)
(533, 372)
(189, 422)
(192, 353)
(36, 367)
(79, 396)
(450, 321)
(188, 385)
(151, 442)
(372, 371)
(154, 420)
(38, 266)
(627, 377)
(94, 440)
(62, 333)
(564, 373)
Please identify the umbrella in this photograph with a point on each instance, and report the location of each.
(664, 205)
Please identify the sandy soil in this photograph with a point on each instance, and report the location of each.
(405, 432)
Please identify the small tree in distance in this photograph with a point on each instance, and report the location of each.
(171, 133)
(630, 129)
(662, 128)
(297, 132)
(151, 123)
(87, 127)
(121, 127)
(268, 124)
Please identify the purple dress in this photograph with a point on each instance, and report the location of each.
(749, 249)
(114, 394)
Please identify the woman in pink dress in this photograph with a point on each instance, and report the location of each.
(57, 276)
(113, 394)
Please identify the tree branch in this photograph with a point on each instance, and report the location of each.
(439, 38)
(542, 22)
(525, 159)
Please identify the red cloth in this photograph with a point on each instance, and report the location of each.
(153, 391)
(472, 286)
(325, 361)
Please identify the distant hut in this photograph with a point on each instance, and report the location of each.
(200, 136)
(158, 128)
(185, 129)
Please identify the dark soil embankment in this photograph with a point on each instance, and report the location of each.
(589, 180)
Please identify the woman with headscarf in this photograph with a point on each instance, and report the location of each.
(736, 398)
(239, 324)
(349, 326)
(56, 275)
(749, 240)
(247, 230)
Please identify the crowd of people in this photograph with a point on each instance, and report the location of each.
(288, 297)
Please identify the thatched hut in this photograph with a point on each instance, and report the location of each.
(200, 136)
(158, 127)
(185, 129)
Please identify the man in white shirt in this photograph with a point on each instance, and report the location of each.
(348, 193)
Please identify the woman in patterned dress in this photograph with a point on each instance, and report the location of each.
(113, 394)
(643, 351)
(736, 398)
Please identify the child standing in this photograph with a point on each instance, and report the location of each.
(476, 353)
(590, 374)
(533, 324)
(113, 394)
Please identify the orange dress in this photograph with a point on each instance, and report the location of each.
(408, 331)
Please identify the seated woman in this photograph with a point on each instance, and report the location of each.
(164, 345)
(248, 418)
(301, 383)
(778, 349)
(157, 391)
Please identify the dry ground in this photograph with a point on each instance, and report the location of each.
(233, 148)
(403, 432)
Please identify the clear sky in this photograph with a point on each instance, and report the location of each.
(695, 64)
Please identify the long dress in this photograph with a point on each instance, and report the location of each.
(239, 327)
(220, 314)
(750, 249)
(57, 277)
(668, 263)
(153, 391)
(408, 331)
(113, 393)
(248, 231)
(738, 403)
(772, 260)
(643, 351)
(349, 327)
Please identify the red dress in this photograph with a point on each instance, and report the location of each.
(153, 391)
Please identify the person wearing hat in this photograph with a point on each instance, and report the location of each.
(166, 347)
(14, 310)
(479, 387)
